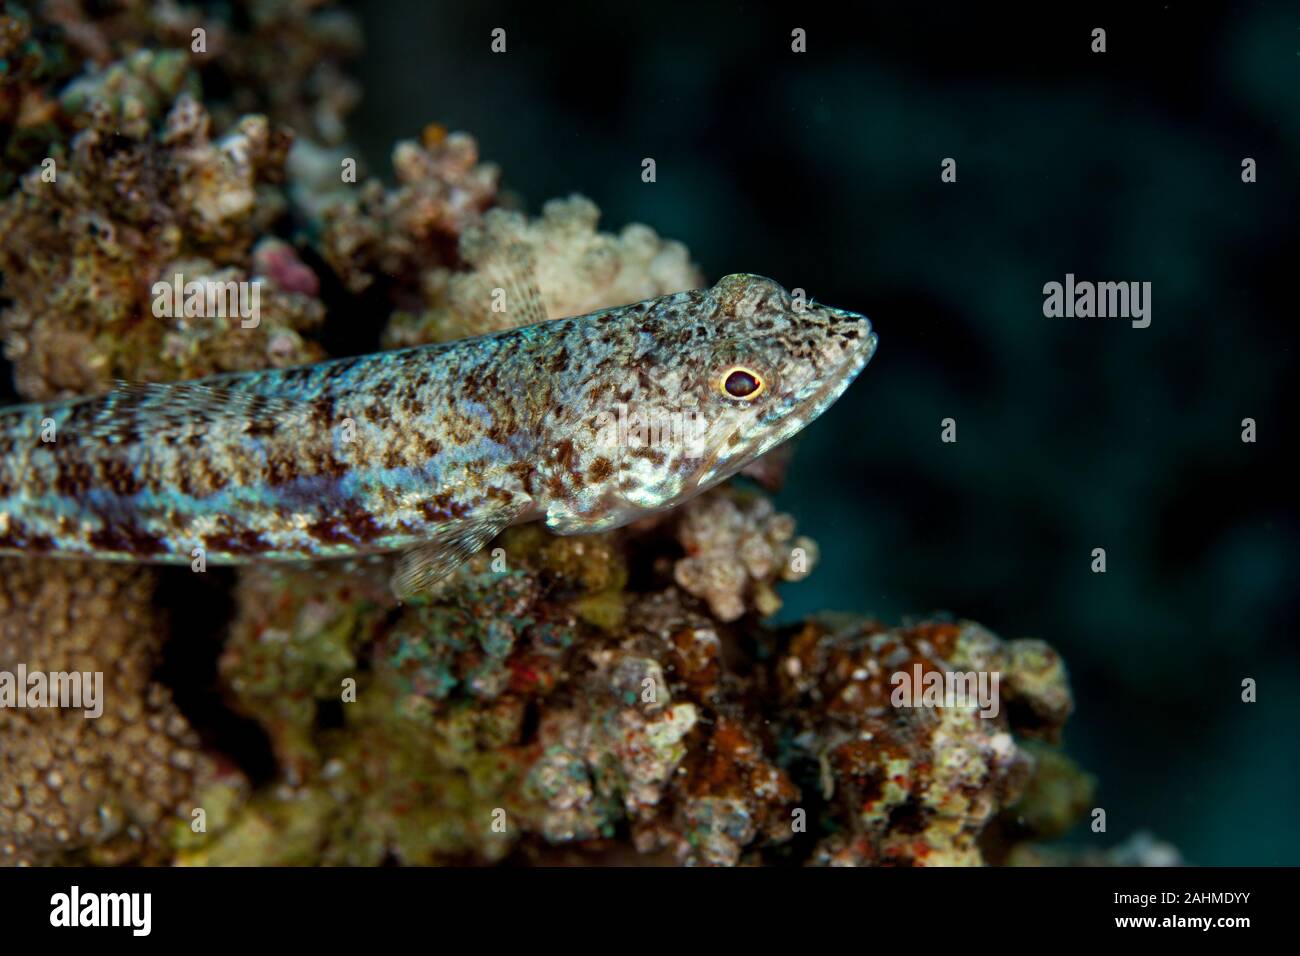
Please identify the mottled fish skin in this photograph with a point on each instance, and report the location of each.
(448, 443)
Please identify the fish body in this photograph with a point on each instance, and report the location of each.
(586, 423)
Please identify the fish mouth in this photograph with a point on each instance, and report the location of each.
(838, 382)
(808, 408)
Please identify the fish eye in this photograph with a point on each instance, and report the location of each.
(739, 381)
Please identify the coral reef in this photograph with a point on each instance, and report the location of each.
(131, 58)
(81, 256)
(612, 698)
(539, 700)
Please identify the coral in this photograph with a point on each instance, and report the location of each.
(129, 96)
(101, 789)
(31, 65)
(736, 550)
(289, 65)
(275, 57)
(514, 690)
(911, 785)
(295, 636)
(577, 269)
(658, 736)
(132, 58)
(81, 256)
(1057, 794)
(439, 248)
(413, 229)
(534, 690)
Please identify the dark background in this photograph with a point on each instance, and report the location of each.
(821, 170)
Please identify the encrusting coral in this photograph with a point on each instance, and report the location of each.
(594, 698)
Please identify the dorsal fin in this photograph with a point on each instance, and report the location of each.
(187, 407)
(513, 269)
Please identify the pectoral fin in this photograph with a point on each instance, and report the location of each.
(423, 565)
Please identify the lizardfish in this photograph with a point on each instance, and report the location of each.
(586, 423)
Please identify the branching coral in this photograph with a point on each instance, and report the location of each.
(437, 244)
(405, 233)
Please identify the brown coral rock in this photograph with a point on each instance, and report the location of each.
(914, 784)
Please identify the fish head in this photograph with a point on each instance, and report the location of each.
(703, 383)
(779, 362)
